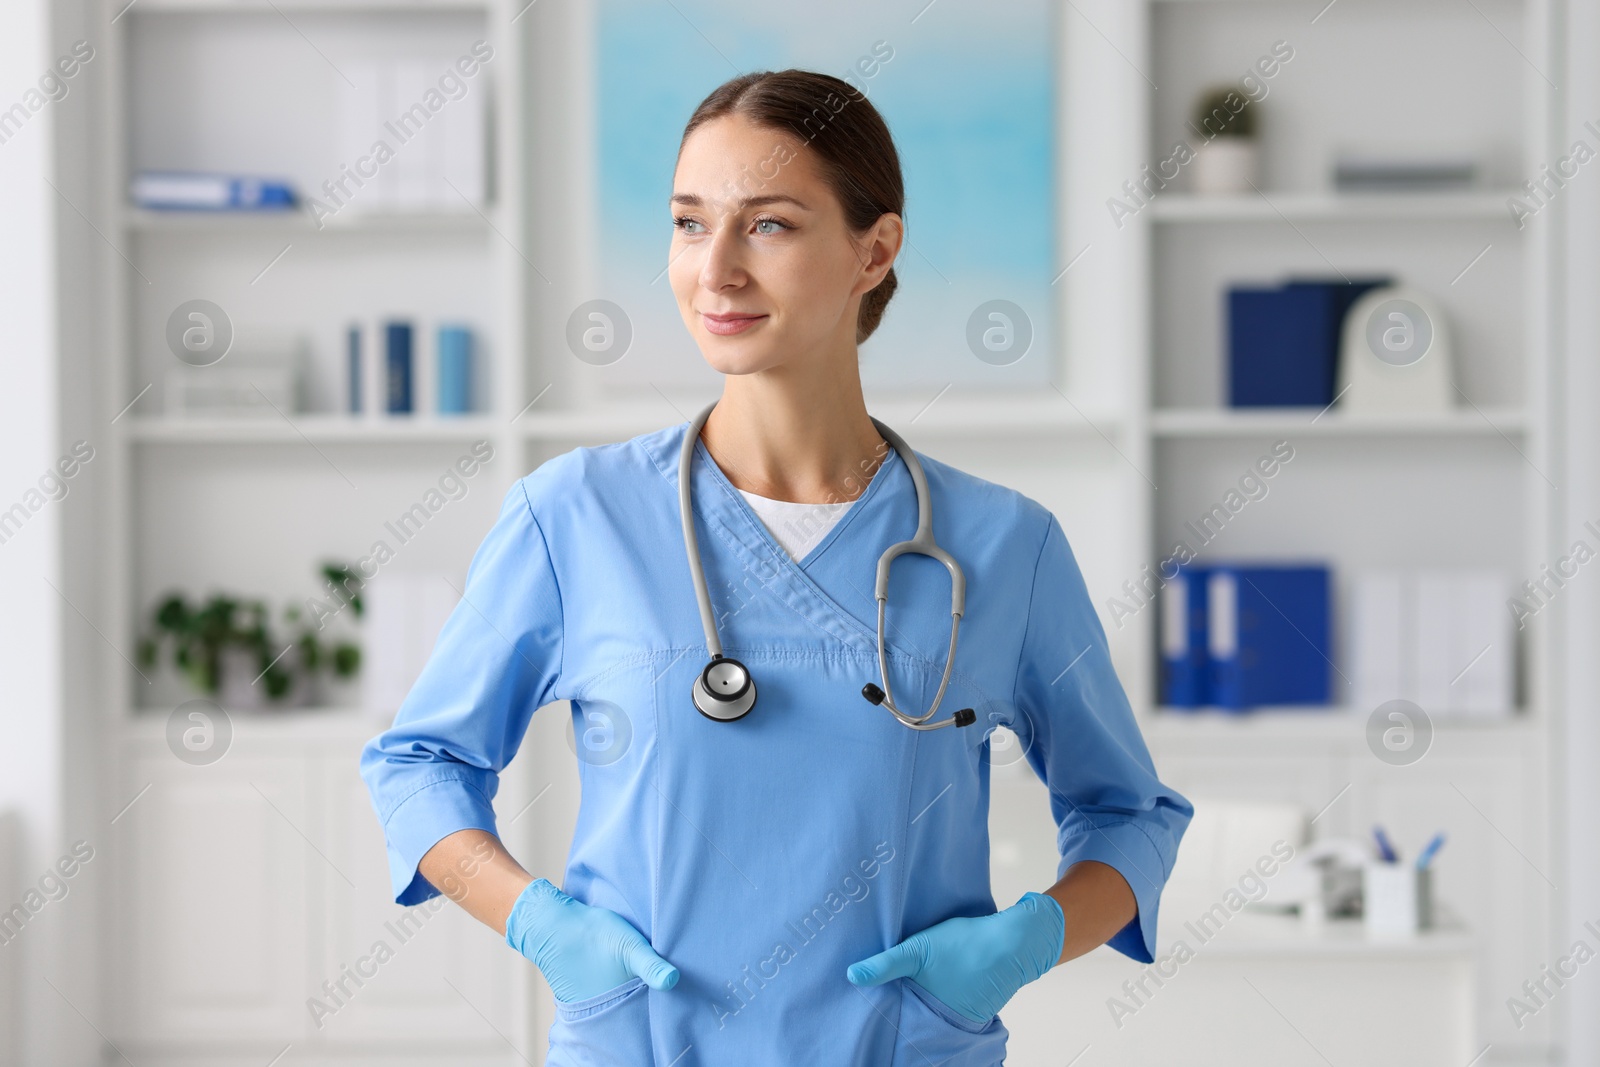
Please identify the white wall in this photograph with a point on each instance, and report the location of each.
(1581, 485)
(44, 1028)
(30, 638)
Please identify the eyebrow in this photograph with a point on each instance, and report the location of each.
(691, 200)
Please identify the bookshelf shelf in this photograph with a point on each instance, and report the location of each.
(1273, 206)
(1307, 422)
(1330, 721)
(968, 417)
(303, 724)
(320, 429)
(609, 422)
(298, 222)
(300, 7)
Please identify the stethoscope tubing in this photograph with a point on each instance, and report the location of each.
(922, 543)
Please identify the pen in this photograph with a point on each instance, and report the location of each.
(1425, 857)
(1386, 851)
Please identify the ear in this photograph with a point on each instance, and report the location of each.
(878, 249)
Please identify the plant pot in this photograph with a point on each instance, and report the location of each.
(335, 692)
(240, 690)
(1227, 166)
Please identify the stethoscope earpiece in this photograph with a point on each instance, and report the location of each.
(964, 717)
(725, 691)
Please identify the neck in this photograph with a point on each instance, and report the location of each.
(790, 436)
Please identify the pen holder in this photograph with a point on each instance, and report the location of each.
(1397, 898)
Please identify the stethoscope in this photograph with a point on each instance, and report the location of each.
(724, 691)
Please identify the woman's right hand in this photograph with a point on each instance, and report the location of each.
(581, 950)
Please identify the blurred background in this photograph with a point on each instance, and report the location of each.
(1285, 309)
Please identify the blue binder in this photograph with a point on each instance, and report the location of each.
(1268, 635)
(1185, 667)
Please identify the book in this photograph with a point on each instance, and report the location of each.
(455, 370)
(398, 367)
(194, 191)
(405, 613)
(352, 349)
(1439, 637)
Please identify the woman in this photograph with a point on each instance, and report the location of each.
(808, 879)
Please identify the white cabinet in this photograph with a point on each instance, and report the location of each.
(253, 900)
(213, 905)
(1262, 991)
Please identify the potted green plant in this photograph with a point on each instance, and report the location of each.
(227, 647)
(1228, 161)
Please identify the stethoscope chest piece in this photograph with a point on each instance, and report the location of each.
(724, 690)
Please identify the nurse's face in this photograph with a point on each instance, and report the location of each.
(764, 269)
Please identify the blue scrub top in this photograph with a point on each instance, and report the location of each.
(762, 857)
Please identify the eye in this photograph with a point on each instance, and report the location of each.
(776, 222)
(680, 221)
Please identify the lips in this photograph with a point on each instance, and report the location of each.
(730, 323)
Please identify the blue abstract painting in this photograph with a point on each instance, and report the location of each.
(969, 93)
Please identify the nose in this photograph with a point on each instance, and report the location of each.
(723, 264)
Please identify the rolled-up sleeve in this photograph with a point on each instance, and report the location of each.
(497, 659)
(1081, 739)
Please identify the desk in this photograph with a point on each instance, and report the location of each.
(1263, 989)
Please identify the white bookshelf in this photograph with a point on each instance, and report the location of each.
(253, 505)
(1470, 487)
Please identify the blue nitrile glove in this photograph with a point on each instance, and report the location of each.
(975, 964)
(581, 950)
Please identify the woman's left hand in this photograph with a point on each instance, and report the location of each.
(975, 965)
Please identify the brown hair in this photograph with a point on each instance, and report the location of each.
(855, 153)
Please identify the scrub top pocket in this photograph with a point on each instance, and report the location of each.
(933, 1032)
(610, 1029)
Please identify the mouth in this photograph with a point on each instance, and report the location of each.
(725, 325)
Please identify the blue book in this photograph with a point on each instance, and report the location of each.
(194, 191)
(397, 361)
(1268, 635)
(1185, 680)
(353, 367)
(1283, 342)
(455, 370)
